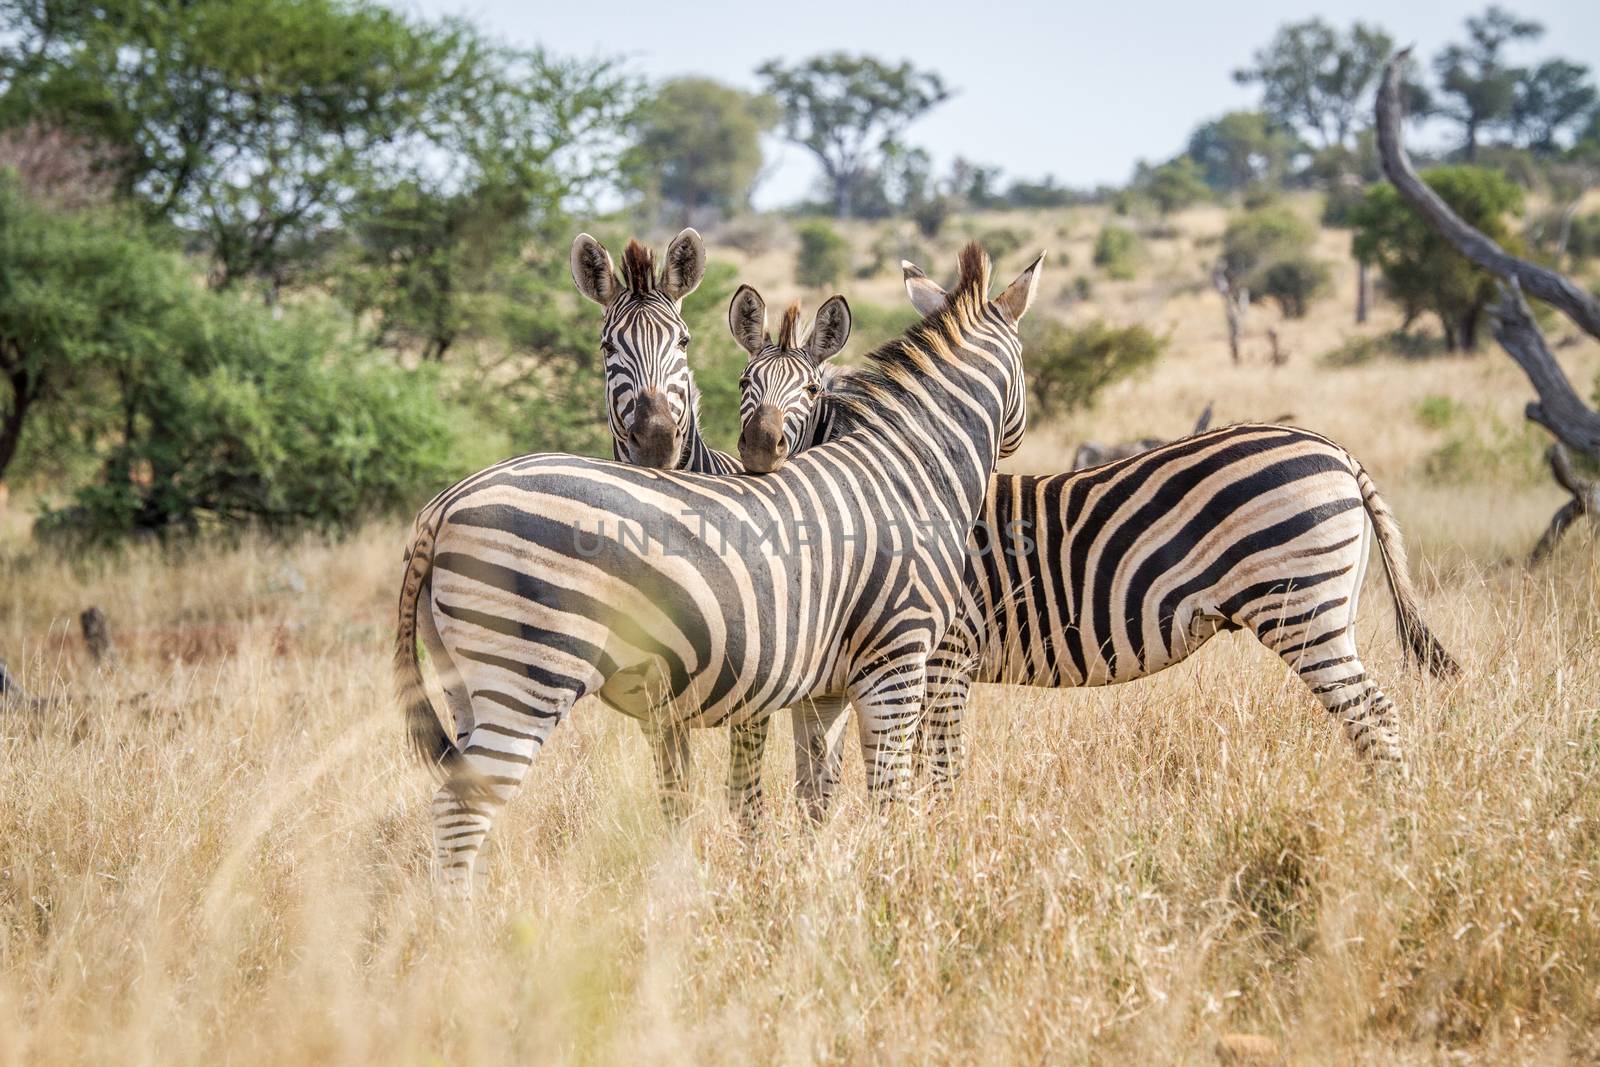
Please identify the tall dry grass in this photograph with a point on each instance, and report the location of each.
(216, 852)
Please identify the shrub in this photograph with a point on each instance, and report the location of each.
(1421, 270)
(1268, 251)
(1067, 367)
(1117, 252)
(246, 419)
(824, 256)
(1001, 241)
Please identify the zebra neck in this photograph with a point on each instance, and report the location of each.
(697, 454)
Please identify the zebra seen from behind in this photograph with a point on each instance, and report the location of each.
(644, 347)
(692, 599)
(1119, 571)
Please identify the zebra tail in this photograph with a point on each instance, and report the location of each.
(1419, 643)
(430, 743)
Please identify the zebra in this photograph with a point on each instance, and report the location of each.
(652, 407)
(1119, 571)
(672, 614)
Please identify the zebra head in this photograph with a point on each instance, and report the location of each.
(780, 402)
(927, 297)
(650, 397)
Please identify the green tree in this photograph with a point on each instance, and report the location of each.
(1172, 186)
(1117, 251)
(77, 292)
(1480, 87)
(242, 418)
(437, 249)
(1241, 149)
(846, 109)
(1551, 99)
(824, 256)
(1316, 79)
(1068, 366)
(246, 122)
(1268, 252)
(697, 146)
(1420, 269)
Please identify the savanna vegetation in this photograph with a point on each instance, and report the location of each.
(273, 272)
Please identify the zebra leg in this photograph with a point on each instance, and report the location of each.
(888, 706)
(940, 748)
(818, 752)
(1334, 672)
(747, 742)
(669, 747)
(508, 732)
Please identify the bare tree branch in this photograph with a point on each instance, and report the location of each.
(1547, 285)
(1585, 501)
(1559, 409)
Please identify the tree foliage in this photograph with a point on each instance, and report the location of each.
(1117, 251)
(1172, 186)
(1068, 366)
(824, 256)
(1478, 85)
(246, 122)
(1240, 150)
(847, 109)
(1268, 252)
(1420, 269)
(1316, 79)
(697, 147)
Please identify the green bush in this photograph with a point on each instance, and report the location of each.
(1268, 252)
(824, 256)
(1068, 366)
(244, 419)
(1420, 269)
(1117, 251)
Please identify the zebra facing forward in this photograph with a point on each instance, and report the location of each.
(1119, 571)
(652, 407)
(553, 577)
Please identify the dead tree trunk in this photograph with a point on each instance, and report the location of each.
(1363, 290)
(97, 637)
(1585, 501)
(1236, 301)
(1559, 409)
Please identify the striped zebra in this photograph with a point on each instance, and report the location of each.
(652, 406)
(1116, 572)
(704, 600)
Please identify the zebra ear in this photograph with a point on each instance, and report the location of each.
(1018, 296)
(747, 320)
(925, 296)
(685, 266)
(830, 332)
(592, 272)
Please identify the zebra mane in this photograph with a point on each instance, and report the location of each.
(638, 268)
(789, 329)
(869, 394)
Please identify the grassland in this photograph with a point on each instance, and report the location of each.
(215, 852)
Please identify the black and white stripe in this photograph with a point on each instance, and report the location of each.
(553, 576)
(1117, 572)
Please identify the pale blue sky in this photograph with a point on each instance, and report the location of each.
(1078, 90)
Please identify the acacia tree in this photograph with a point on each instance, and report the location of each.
(1316, 79)
(697, 146)
(1420, 268)
(1478, 86)
(846, 110)
(247, 122)
(1549, 100)
(438, 242)
(1559, 409)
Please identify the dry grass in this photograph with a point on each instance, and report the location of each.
(222, 857)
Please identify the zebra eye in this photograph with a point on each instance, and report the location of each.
(744, 383)
(814, 389)
(683, 342)
(606, 347)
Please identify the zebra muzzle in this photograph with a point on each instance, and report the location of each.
(762, 447)
(653, 433)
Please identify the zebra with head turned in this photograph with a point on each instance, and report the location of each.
(1119, 571)
(652, 407)
(552, 577)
